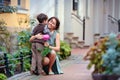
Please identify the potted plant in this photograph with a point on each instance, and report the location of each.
(104, 56)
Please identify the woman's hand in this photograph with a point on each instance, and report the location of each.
(46, 44)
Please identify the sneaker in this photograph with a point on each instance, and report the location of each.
(51, 73)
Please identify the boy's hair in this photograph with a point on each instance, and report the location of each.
(41, 17)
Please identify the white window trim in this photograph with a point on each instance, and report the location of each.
(23, 11)
(113, 12)
(87, 9)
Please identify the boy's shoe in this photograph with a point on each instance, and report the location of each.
(43, 73)
(32, 72)
(40, 73)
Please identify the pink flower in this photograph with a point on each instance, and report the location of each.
(46, 37)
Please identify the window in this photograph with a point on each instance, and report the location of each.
(19, 2)
(75, 4)
(77, 7)
(1, 1)
(7, 0)
(1, 4)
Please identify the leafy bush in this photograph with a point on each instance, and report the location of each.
(23, 42)
(4, 37)
(8, 9)
(111, 59)
(105, 55)
(3, 76)
(25, 47)
(65, 50)
(95, 55)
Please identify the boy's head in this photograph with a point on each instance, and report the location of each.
(42, 18)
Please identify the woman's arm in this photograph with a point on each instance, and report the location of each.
(57, 42)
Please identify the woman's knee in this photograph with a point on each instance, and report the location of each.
(53, 53)
(46, 61)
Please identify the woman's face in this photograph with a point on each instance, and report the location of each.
(52, 24)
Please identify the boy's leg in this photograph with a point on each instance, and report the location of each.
(33, 64)
(39, 57)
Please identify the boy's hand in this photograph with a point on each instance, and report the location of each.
(39, 36)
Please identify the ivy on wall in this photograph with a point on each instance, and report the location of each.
(8, 9)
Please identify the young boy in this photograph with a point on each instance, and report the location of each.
(41, 28)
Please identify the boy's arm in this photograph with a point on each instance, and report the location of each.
(32, 38)
(40, 36)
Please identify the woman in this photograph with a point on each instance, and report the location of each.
(51, 62)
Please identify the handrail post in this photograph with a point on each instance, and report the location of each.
(119, 25)
(30, 57)
(21, 61)
(6, 64)
(84, 28)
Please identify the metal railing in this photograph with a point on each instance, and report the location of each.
(6, 62)
(114, 20)
(83, 22)
(84, 28)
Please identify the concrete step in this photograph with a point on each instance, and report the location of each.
(96, 37)
(81, 44)
(67, 40)
(73, 40)
(69, 35)
(73, 45)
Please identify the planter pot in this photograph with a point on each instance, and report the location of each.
(97, 76)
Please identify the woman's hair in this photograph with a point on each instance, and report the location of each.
(57, 22)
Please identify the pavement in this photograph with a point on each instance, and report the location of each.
(74, 68)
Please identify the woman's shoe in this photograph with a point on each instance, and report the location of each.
(51, 73)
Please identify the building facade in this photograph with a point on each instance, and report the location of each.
(18, 18)
(83, 18)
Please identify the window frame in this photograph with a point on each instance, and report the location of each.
(19, 3)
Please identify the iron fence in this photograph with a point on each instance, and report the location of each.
(6, 62)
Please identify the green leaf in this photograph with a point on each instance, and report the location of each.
(45, 51)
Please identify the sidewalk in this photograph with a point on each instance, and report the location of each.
(74, 68)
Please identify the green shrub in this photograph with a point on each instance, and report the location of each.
(65, 50)
(23, 42)
(3, 76)
(5, 35)
(8, 9)
(25, 47)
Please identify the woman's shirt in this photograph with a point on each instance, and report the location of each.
(52, 39)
